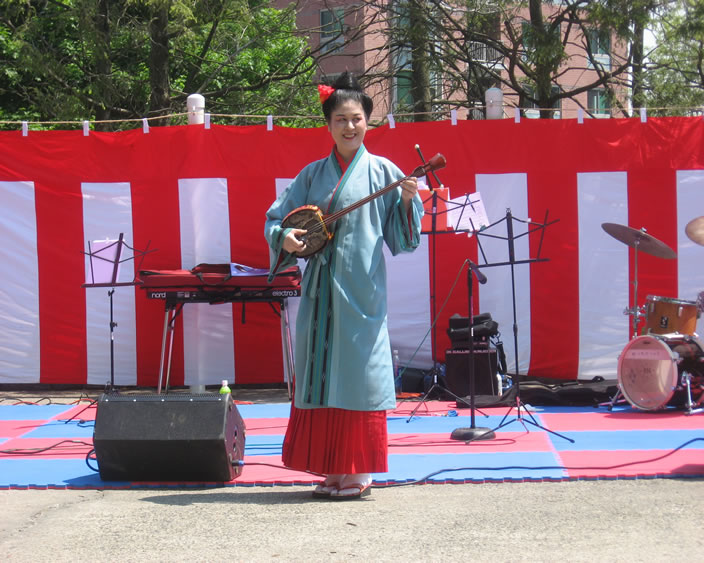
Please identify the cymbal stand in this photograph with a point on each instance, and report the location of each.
(636, 313)
(512, 262)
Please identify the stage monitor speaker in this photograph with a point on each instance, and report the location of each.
(170, 437)
(485, 371)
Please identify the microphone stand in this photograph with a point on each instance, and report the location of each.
(433, 233)
(433, 230)
(473, 432)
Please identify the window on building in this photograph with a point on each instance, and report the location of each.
(600, 45)
(436, 89)
(482, 53)
(403, 79)
(403, 98)
(403, 89)
(331, 30)
(532, 110)
(404, 92)
(598, 103)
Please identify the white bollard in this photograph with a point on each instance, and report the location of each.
(195, 106)
(494, 103)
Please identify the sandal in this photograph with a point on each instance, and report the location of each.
(325, 489)
(355, 489)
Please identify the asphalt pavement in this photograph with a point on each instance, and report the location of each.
(634, 520)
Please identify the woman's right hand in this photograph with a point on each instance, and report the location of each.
(292, 243)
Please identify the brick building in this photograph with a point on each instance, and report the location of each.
(352, 36)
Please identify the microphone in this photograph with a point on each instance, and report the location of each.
(481, 278)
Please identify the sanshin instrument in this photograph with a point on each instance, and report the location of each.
(318, 226)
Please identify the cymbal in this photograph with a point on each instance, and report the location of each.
(695, 230)
(639, 239)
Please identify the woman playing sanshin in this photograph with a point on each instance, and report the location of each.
(344, 377)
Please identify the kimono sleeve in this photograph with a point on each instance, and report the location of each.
(402, 228)
(291, 198)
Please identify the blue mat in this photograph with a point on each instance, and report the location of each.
(40, 449)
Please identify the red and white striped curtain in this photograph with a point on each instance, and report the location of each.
(197, 195)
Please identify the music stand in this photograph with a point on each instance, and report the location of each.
(432, 233)
(512, 262)
(104, 273)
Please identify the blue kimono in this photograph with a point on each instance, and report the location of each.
(342, 353)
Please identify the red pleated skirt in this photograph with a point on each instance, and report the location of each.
(330, 440)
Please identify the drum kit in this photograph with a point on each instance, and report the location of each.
(663, 366)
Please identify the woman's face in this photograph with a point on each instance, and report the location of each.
(348, 125)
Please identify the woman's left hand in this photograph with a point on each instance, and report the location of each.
(409, 188)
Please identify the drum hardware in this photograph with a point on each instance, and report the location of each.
(695, 230)
(639, 240)
(687, 382)
(617, 399)
(638, 313)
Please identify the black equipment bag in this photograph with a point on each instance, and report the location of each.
(483, 328)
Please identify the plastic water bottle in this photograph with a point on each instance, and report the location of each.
(225, 388)
(397, 371)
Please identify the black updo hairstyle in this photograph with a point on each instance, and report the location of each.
(347, 88)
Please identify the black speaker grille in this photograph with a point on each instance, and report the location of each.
(485, 371)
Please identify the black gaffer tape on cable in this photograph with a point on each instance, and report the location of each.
(174, 437)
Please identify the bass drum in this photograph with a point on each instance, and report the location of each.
(650, 370)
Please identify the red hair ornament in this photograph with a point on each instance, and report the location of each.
(325, 92)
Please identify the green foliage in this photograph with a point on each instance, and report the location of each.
(620, 15)
(90, 59)
(675, 82)
(543, 47)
